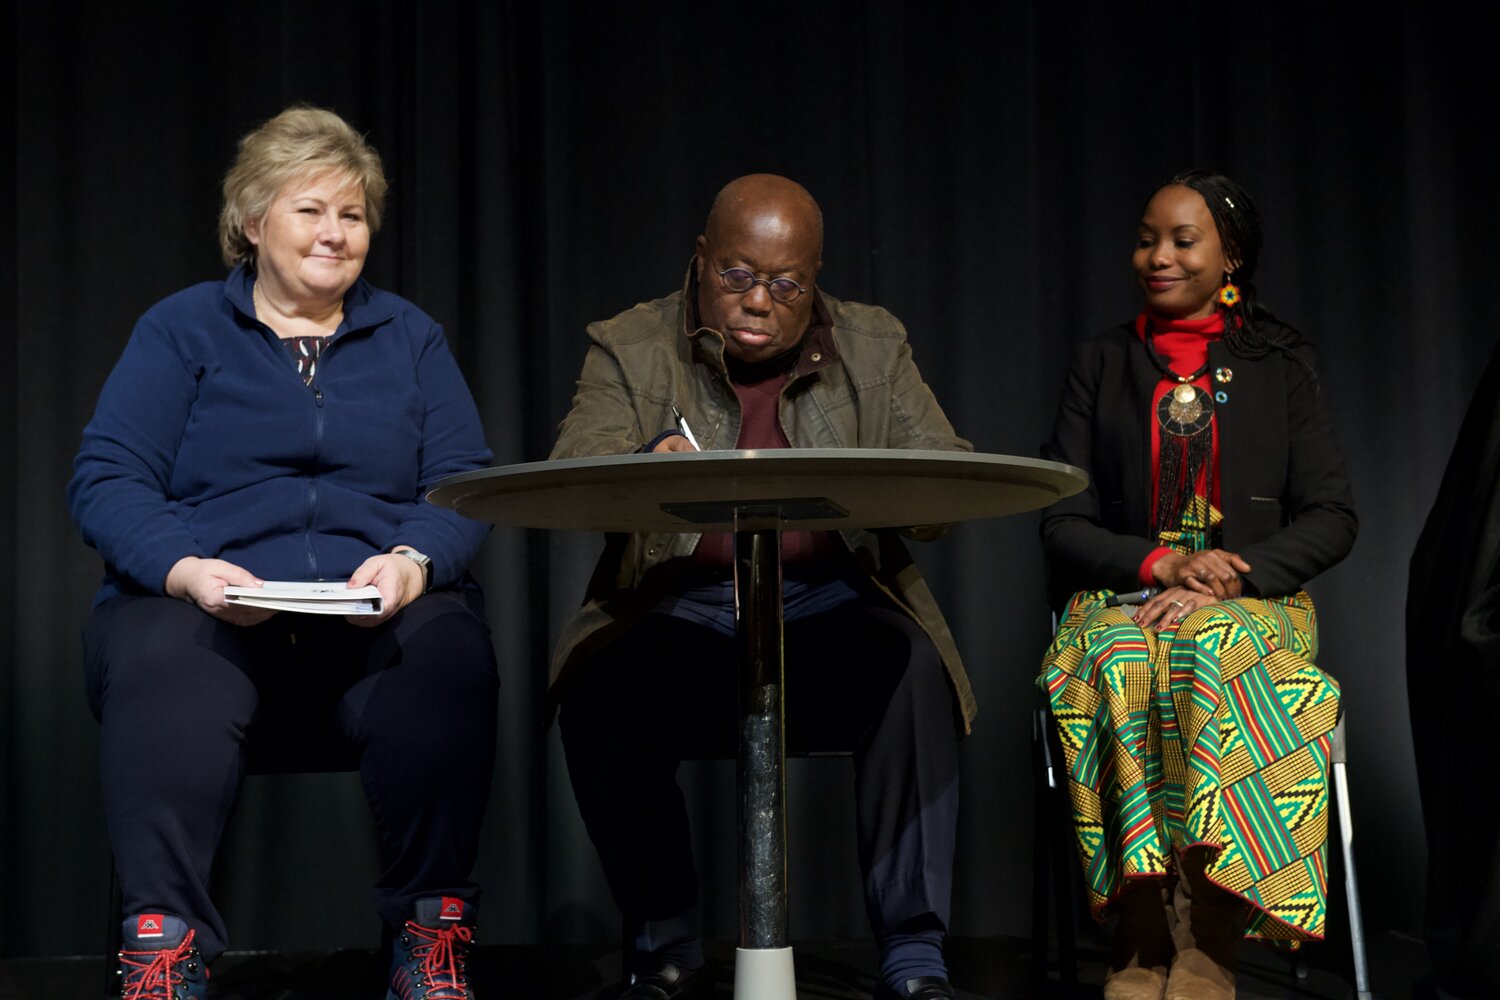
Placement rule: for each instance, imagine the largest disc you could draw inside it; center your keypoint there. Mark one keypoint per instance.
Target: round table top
(805, 488)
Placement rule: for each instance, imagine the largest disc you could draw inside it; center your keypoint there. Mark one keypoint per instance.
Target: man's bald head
(766, 196)
(771, 227)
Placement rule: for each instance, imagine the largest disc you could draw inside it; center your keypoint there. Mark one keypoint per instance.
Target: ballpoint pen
(682, 425)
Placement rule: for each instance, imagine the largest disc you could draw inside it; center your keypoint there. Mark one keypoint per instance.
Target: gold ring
(1179, 604)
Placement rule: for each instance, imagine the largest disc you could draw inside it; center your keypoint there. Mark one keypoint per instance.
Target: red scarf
(1183, 344)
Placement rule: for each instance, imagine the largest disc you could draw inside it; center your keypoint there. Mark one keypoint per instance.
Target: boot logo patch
(149, 925)
(453, 909)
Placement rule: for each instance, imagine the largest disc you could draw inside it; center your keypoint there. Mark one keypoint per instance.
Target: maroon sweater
(758, 387)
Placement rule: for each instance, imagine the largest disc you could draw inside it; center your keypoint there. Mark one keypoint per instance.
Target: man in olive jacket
(755, 356)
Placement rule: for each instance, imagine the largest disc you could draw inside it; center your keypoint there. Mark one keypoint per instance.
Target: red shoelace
(153, 975)
(442, 952)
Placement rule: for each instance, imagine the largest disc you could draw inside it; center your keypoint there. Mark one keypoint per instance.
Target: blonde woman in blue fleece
(283, 423)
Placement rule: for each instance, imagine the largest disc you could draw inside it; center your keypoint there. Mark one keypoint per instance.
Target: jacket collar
(361, 308)
(819, 347)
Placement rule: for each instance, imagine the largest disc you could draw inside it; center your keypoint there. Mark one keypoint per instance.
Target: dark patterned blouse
(305, 351)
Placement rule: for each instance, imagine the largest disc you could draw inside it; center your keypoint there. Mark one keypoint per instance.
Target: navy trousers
(861, 677)
(175, 691)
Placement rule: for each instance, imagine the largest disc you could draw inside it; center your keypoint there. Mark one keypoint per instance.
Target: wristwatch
(423, 561)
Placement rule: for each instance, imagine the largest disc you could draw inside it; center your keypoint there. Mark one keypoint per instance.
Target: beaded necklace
(1185, 415)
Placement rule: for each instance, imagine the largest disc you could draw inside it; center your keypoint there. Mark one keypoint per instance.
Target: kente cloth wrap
(1214, 732)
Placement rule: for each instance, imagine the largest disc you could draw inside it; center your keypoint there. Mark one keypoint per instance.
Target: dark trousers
(176, 690)
(862, 677)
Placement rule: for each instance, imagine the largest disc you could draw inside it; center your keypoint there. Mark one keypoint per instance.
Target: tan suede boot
(1210, 923)
(1142, 946)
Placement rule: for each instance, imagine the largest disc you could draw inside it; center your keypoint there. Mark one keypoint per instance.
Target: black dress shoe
(921, 988)
(665, 983)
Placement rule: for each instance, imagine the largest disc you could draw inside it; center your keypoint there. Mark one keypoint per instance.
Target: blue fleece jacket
(206, 442)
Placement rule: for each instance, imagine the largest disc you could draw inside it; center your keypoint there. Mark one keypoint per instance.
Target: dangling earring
(1229, 295)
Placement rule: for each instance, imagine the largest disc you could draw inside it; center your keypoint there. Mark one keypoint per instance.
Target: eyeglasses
(739, 280)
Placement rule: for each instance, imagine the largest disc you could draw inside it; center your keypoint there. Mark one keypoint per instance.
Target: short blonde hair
(300, 142)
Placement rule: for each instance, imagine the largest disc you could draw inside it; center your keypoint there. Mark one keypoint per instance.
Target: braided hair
(1250, 329)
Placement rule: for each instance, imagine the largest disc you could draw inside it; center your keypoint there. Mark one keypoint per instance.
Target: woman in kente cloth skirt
(1182, 678)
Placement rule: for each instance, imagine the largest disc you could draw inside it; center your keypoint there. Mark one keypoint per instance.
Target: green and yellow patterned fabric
(1211, 732)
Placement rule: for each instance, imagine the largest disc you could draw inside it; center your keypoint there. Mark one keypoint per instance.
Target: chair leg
(1050, 858)
(1339, 769)
(113, 933)
(1041, 844)
(627, 953)
(1062, 881)
(387, 950)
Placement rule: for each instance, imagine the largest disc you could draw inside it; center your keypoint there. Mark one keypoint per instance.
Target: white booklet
(329, 597)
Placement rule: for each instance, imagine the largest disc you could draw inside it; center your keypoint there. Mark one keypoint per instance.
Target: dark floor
(980, 968)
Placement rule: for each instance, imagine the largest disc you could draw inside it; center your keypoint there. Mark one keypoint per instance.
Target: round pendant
(1184, 411)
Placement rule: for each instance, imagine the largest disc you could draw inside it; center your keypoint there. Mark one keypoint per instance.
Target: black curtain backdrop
(981, 168)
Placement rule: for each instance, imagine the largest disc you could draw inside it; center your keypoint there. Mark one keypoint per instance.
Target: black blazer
(1285, 495)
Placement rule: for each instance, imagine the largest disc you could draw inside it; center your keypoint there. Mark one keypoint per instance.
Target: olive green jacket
(854, 386)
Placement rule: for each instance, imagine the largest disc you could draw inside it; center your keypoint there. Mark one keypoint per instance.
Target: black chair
(1053, 865)
(287, 737)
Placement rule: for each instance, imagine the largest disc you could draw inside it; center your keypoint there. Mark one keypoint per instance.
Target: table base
(764, 974)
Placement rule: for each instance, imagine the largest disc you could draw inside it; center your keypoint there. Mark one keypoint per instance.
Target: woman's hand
(399, 579)
(202, 582)
(1170, 607)
(1214, 572)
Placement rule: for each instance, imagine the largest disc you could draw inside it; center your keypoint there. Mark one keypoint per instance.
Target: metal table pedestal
(755, 494)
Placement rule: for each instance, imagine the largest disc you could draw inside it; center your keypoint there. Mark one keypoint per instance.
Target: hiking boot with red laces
(158, 960)
(429, 956)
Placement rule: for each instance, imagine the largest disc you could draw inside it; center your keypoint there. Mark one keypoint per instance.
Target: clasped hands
(202, 581)
(1189, 583)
